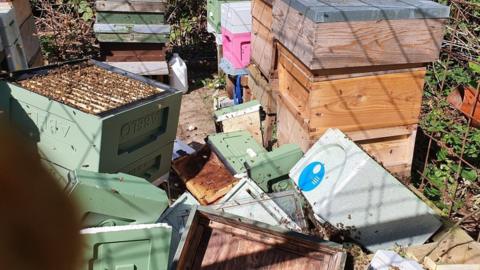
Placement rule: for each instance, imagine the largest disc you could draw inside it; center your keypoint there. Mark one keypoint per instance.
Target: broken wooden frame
(220, 241)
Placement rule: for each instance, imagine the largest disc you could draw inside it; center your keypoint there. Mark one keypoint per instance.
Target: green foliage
(217, 82)
(83, 8)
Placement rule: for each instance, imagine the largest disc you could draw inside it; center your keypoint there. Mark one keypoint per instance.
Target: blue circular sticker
(311, 176)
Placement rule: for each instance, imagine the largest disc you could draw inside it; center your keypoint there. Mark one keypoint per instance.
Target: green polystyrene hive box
(131, 247)
(234, 148)
(135, 138)
(115, 199)
(213, 13)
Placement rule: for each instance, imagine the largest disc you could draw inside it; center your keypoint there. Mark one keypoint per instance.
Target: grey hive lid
(368, 10)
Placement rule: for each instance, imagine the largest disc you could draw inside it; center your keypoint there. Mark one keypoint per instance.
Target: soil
(196, 116)
(89, 88)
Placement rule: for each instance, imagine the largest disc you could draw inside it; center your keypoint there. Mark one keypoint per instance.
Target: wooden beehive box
(223, 241)
(263, 49)
(349, 101)
(352, 33)
(392, 147)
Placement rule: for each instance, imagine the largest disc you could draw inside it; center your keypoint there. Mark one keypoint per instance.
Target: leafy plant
(83, 8)
(217, 82)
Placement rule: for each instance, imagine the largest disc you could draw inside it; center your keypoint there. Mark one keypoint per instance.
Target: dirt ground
(196, 116)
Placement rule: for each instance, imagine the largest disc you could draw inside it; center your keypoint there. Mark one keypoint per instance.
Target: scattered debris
(386, 260)
(223, 241)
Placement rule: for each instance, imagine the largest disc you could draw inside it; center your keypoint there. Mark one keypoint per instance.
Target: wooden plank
(305, 75)
(31, 44)
(262, 11)
(22, 9)
(367, 102)
(263, 48)
(249, 122)
(261, 89)
(143, 68)
(131, 6)
(133, 52)
(37, 60)
(357, 43)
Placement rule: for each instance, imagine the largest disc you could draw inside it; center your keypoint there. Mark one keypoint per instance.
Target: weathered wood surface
(362, 102)
(217, 242)
(262, 90)
(263, 44)
(131, 6)
(357, 43)
(128, 52)
(22, 9)
(249, 122)
(31, 43)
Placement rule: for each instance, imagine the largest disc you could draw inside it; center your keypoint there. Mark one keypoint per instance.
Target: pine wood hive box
(326, 34)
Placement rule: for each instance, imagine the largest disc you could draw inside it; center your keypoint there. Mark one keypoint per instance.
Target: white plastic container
(178, 73)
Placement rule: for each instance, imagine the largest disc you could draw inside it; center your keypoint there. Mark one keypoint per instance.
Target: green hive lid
(234, 148)
(115, 199)
(368, 10)
(142, 246)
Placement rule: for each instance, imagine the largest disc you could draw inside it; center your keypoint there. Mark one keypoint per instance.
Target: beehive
(214, 13)
(326, 34)
(88, 115)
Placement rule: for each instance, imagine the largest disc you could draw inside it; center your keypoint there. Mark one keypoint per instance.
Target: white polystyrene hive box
(236, 17)
(347, 188)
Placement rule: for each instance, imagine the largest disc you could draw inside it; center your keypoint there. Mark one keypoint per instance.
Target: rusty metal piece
(89, 88)
(464, 99)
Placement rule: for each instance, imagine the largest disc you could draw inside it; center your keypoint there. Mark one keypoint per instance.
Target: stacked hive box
(357, 66)
(133, 35)
(236, 23)
(214, 21)
(19, 44)
(91, 116)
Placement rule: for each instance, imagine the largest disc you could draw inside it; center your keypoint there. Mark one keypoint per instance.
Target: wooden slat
(131, 6)
(132, 52)
(22, 9)
(31, 44)
(261, 89)
(357, 43)
(367, 102)
(263, 48)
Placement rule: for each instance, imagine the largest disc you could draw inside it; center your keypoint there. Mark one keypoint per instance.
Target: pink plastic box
(236, 47)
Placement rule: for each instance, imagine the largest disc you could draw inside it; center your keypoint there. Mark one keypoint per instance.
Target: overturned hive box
(353, 33)
(88, 115)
